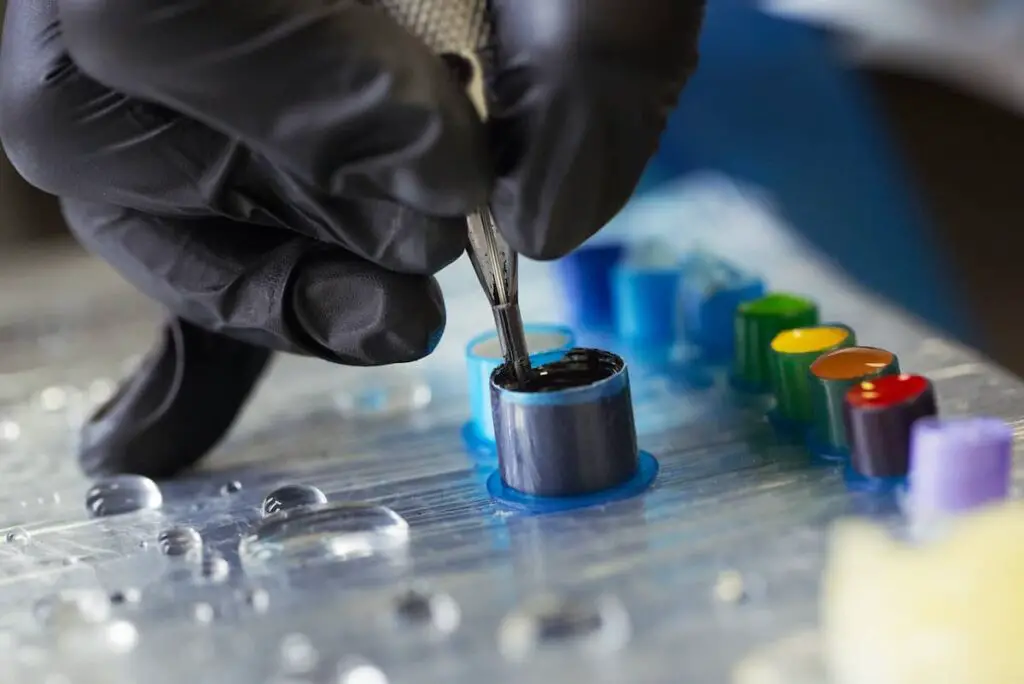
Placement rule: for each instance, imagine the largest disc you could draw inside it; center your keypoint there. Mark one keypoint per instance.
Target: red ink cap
(879, 414)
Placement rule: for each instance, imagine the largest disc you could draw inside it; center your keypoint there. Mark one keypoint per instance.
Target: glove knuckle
(414, 313)
(417, 244)
(32, 110)
(107, 38)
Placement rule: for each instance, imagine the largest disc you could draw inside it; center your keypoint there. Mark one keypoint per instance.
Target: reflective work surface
(400, 568)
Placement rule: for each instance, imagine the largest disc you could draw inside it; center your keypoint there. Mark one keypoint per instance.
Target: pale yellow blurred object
(948, 612)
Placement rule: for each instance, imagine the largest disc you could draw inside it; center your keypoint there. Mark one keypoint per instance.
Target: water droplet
(73, 607)
(729, 587)
(203, 613)
(179, 541)
(360, 672)
(53, 399)
(17, 536)
(9, 431)
(113, 637)
(298, 655)
(122, 494)
(214, 568)
(123, 596)
(422, 607)
(229, 488)
(121, 636)
(595, 626)
(101, 390)
(379, 401)
(291, 496)
(258, 599)
(342, 530)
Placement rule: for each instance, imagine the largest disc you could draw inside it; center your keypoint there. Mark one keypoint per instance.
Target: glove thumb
(176, 406)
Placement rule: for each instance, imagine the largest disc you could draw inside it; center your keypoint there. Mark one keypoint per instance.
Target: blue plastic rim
(609, 386)
(585, 276)
(550, 341)
(646, 473)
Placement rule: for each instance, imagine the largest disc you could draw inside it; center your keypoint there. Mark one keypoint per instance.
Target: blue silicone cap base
(863, 483)
(821, 449)
(646, 473)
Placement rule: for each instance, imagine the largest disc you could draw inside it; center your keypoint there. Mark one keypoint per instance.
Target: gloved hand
(289, 174)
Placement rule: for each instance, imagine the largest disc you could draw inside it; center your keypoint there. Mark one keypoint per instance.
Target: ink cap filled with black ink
(568, 429)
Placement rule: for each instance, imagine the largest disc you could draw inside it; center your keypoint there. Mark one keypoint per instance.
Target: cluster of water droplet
(298, 520)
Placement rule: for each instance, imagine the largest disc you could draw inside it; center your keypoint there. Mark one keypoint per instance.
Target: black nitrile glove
(288, 174)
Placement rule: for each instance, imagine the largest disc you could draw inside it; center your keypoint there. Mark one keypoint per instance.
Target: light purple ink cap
(959, 463)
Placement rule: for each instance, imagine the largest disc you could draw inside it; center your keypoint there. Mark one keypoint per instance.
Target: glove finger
(267, 287)
(582, 94)
(334, 91)
(73, 137)
(177, 405)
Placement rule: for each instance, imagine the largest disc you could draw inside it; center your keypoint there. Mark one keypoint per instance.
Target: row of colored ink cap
(855, 404)
(847, 402)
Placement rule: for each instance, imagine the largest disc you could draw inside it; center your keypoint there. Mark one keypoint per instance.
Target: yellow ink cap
(793, 352)
(804, 340)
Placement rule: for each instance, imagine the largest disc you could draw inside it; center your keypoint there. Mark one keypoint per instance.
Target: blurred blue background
(773, 105)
